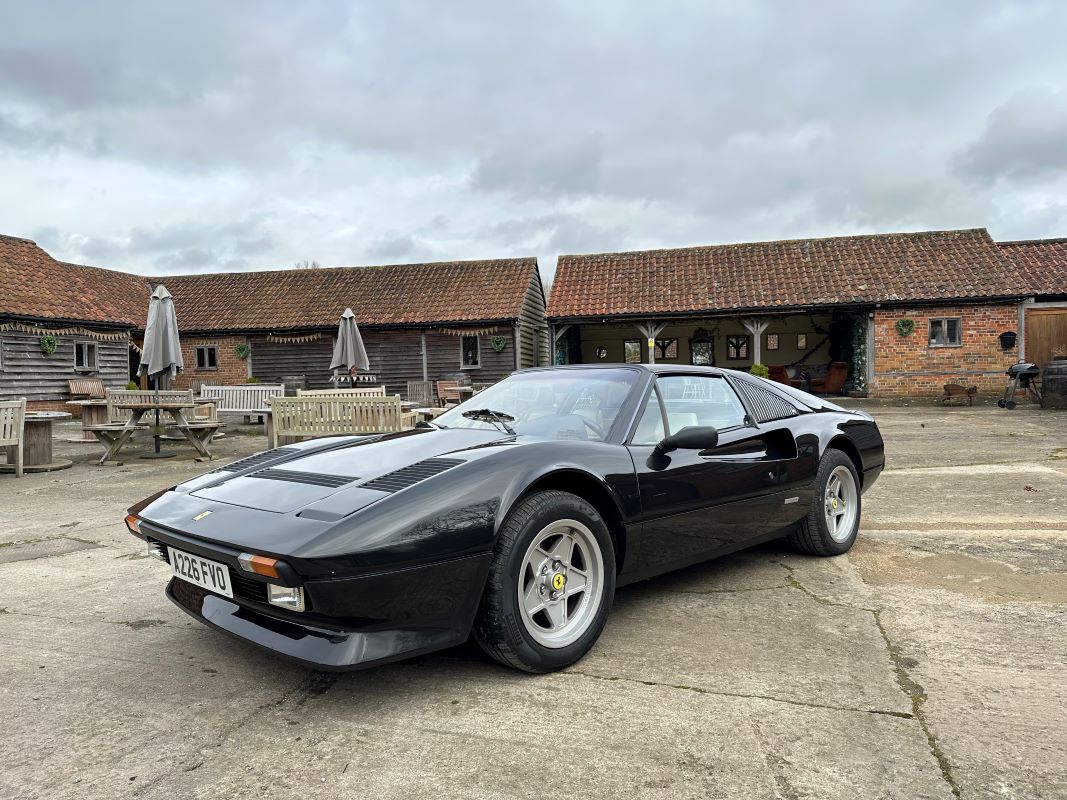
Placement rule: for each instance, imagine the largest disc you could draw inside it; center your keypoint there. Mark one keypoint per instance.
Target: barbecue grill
(1020, 376)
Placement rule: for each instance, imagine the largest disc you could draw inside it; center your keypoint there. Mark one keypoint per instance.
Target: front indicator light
(286, 597)
(260, 565)
(133, 522)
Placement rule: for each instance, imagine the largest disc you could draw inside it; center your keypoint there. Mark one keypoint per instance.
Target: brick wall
(908, 366)
(231, 370)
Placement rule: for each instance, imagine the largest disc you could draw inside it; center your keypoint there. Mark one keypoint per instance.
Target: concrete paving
(930, 662)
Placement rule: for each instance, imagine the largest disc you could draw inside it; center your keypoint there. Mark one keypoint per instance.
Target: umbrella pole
(156, 431)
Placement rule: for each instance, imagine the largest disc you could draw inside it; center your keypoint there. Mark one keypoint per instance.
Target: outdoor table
(429, 414)
(37, 444)
(466, 392)
(198, 434)
(94, 412)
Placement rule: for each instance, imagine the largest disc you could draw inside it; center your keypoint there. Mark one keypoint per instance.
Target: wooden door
(1046, 334)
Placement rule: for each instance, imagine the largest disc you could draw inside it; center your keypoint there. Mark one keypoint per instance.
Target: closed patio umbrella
(162, 350)
(349, 352)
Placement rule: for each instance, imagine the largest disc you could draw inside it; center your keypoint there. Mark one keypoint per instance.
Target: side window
(700, 400)
(650, 425)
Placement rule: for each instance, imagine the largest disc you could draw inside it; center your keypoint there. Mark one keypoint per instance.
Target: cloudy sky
(183, 137)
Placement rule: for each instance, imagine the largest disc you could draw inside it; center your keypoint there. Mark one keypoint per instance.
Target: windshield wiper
(488, 415)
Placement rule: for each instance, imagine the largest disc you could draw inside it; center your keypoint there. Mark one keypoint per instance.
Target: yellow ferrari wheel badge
(558, 580)
(834, 503)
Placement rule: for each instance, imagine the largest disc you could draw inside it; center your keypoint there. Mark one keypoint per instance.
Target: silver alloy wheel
(561, 583)
(841, 503)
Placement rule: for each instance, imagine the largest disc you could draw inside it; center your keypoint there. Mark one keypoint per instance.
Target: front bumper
(352, 622)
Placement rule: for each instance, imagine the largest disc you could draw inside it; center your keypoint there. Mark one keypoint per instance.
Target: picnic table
(94, 412)
(114, 436)
(37, 452)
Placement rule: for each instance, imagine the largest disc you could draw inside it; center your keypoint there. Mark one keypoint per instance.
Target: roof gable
(926, 266)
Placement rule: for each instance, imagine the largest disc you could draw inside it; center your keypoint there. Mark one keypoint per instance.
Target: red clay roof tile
(1043, 263)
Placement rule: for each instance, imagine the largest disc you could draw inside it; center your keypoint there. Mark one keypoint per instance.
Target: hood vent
(259, 459)
(409, 476)
(310, 478)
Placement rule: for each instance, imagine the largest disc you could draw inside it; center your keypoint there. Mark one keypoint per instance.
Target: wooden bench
(953, 390)
(324, 415)
(86, 388)
(12, 431)
(369, 391)
(198, 428)
(248, 399)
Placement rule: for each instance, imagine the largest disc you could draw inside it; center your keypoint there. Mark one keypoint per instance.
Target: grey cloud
(1024, 138)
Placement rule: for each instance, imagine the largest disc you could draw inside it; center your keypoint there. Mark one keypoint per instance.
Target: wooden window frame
(640, 351)
(802, 341)
(668, 343)
(86, 366)
(777, 342)
(477, 350)
(747, 346)
(944, 327)
(204, 348)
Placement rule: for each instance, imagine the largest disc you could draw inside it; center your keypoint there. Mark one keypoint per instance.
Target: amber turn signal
(261, 565)
(133, 522)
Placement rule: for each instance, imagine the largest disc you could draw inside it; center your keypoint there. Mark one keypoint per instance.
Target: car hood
(347, 472)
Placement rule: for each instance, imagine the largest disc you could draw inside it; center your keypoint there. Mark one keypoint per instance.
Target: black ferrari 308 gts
(515, 515)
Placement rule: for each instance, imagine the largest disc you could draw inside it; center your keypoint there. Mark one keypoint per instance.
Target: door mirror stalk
(692, 437)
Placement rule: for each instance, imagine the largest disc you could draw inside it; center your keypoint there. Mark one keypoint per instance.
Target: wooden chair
(363, 391)
(448, 392)
(12, 431)
(420, 392)
(834, 381)
(86, 388)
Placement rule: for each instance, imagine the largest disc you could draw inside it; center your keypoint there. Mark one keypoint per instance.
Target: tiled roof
(1042, 262)
(33, 284)
(928, 266)
(402, 294)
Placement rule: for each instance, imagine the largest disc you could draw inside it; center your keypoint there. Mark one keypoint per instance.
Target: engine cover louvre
(259, 459)
(310, 478)
(409, 476)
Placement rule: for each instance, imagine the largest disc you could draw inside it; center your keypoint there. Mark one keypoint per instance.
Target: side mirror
(693, 437)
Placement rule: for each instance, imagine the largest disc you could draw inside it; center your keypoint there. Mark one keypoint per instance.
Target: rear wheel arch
(583, 485)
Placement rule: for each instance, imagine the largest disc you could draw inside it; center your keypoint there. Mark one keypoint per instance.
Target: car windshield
(554, 404)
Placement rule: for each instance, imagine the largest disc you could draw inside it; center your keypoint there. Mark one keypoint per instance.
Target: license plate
(204, 572)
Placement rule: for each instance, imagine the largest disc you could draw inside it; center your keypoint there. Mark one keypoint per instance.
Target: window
(689, 400)
(702, 352)
(666, 349)
(470, 352)
(765, 404)
(85, 355)
(802, 341)
(736, 348)
(207, 358)
(632, 351)
(772, 341)
(946, 332)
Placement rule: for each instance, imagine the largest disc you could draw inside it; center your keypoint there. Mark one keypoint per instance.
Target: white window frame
(205, 348)
(87, 365)
(477, 350)
(944, 327)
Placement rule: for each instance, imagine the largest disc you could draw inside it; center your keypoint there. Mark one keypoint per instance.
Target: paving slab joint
(917, 694)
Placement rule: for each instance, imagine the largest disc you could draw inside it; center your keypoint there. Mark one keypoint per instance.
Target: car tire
(528, 561)
(830, 528)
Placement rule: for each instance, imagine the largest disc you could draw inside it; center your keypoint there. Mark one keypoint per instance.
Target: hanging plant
(905, 326)
(498, 343)
(242, 351)
(48, 344)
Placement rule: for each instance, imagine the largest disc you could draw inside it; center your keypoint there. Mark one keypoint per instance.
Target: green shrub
(132, 386)
(759, 370)
(252, 380)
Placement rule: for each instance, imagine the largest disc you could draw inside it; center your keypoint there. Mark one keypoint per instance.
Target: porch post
(756, 327)
(650, 330)
(422, 344)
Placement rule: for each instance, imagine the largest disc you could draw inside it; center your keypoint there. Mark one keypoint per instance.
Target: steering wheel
(596, 429)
